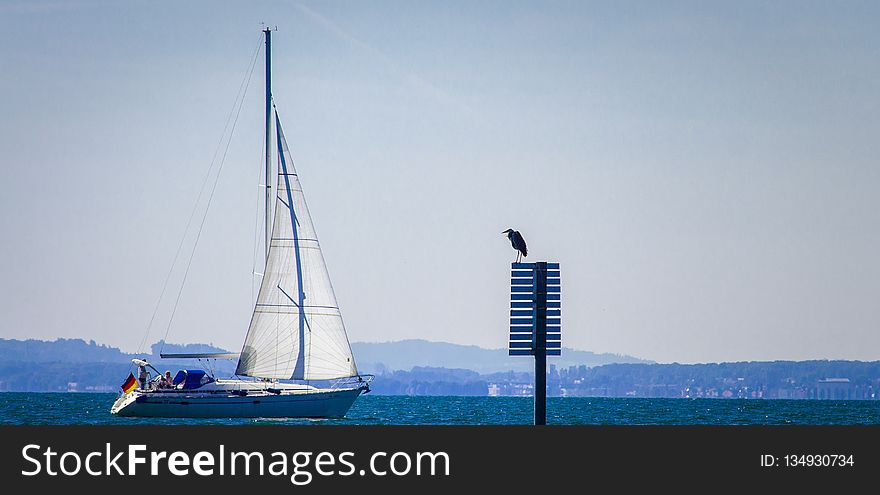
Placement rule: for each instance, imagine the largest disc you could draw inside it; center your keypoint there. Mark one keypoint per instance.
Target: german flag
(130, 384)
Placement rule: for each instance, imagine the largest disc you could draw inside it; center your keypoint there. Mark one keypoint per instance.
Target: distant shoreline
(523, 397)
(419, 367)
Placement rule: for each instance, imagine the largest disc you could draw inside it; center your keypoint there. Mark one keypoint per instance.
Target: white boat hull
(309, 403)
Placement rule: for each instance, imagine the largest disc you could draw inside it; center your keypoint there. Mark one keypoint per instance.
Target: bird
(518, 243)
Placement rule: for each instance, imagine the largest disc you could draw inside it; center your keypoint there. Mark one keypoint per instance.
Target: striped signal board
(535, 310)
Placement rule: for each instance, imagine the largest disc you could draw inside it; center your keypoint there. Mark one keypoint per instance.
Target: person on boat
(143, 376)
(168, 380)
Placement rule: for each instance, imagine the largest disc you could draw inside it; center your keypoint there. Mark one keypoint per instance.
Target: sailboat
(296, 332)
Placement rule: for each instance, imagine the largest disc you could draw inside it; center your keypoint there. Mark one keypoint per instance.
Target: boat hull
(316, 403)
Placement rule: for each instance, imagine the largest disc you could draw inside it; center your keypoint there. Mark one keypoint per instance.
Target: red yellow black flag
(130, 384)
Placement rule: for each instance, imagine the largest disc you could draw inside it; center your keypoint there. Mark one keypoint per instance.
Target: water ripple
(82, 408)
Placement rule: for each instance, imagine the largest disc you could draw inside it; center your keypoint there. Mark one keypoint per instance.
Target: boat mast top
(268, 33)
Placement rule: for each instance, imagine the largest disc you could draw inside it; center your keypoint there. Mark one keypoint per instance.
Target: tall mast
(268, 33)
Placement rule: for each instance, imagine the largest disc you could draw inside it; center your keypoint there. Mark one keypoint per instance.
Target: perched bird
(518, 243)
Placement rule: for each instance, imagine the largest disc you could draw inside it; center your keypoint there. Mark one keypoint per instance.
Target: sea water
(84, 408)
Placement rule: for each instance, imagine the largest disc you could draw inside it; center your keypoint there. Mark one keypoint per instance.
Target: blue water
(81, 408)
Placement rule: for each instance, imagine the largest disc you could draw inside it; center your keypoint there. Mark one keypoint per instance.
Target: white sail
(296, 331)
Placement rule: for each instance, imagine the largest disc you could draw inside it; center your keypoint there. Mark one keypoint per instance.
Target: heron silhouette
(518, 243)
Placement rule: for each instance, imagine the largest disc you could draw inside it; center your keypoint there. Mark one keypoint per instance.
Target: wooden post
(540, 343)
(532, 290)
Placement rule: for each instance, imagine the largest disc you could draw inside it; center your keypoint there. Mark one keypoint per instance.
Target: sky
(706, 173)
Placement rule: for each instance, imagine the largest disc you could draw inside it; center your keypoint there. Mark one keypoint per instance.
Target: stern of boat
(121, 406)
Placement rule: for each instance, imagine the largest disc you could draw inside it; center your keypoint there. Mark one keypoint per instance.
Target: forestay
(296, 331)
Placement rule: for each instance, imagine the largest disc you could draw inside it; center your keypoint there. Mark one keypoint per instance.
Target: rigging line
(189, 223)
(257, 225)
(246, 84)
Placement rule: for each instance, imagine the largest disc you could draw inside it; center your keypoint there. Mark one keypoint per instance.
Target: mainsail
(296, 331)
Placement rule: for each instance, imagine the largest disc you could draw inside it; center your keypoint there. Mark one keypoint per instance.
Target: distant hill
(80, 351)
(407, 354)
(419, 367)
(74, 364)
(61, 350)
(371, 357)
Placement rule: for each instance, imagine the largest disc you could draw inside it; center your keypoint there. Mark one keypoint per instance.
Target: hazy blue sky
(706, 173)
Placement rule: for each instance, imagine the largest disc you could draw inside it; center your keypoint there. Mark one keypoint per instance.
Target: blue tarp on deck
(192, 379)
